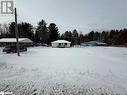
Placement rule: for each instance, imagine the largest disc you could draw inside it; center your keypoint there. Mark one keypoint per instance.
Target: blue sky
(84, 15)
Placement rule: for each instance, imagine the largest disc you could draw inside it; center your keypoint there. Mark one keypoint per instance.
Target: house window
(65, 44)
(59, 44)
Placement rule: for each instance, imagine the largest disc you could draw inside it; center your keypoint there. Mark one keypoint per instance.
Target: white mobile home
(61, 44)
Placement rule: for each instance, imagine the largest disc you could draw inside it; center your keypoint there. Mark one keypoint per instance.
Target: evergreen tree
(12, 29)
(24, 29)
(53, 30)
(42, 34)
(75, 37)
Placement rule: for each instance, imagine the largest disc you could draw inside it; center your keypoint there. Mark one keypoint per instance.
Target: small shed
(12, 41)
(61, 44)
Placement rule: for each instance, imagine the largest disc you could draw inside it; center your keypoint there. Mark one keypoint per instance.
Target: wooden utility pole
(17, 34)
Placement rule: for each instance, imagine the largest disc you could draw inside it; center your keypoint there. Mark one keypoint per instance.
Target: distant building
(94, 43)
(12, 41)
(61, 44)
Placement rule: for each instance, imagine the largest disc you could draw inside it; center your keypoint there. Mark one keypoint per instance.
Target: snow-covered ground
(65, 71)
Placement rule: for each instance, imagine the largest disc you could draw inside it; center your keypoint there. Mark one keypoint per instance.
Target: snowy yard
(67, 71)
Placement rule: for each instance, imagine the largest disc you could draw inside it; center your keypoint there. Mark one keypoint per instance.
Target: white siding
(55, 45)
(61, 44)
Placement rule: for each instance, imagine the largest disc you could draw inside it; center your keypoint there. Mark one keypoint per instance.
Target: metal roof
(21, 40)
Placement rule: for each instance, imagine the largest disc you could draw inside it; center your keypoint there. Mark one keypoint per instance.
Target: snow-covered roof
(61, 41)
(24, 40)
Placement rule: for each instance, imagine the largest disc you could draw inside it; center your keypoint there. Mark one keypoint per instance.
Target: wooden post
(17, 34)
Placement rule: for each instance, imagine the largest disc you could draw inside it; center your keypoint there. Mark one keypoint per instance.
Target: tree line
(42, 34)
(46, 34)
